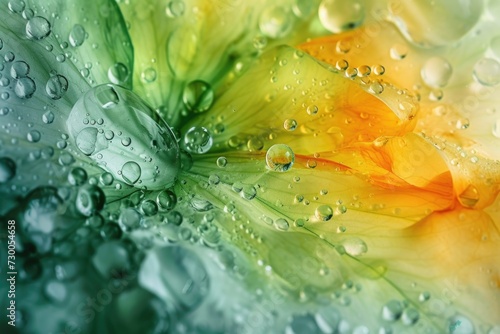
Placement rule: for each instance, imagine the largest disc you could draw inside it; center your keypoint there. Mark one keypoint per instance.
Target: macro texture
(231, 166)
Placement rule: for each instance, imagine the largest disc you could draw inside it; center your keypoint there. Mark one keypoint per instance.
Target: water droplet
(398, 51)
(436, 72)
(323, 213)
(19, 69)
(198, 140)
(435, 23)
(38, 28)
(487, 72)
(86, 140)
(392, 310)
(4, 111)
(221, 162)
(153, 149)
(149, 208)
(312, 110)
(16, 6)
(376, 88)
(355, 246)
(118, 73)
(280, 158)
(281, 224)
(198, 96)
(469, 197)
(248, 192)
(77, 176)
(56, 86)
(89, 200)
(131, 172)
(275, 22)
(25, 88)
(148, 75)
(7, 169)
(77, 35)
(341, 15)
(290, 124)
(106, 179)
(175, 8)
(410, 316)
(255, 144)
(129, 219)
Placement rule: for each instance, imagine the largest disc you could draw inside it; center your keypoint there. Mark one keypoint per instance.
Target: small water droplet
(198, 140)
(77, 35)
(276, 22)
(487, 72)
(436, 72)
(290, 124)
(323, 213)
(7, 169)
(118, 73)
(56, 86)
(19, 69)
(175, 8)
(198, 96)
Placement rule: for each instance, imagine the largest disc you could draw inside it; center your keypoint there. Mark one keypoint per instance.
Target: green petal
(178, 42)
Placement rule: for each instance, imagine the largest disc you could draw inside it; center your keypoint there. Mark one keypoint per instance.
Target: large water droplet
(341, 15)
(435, 23)
(153, 146)
(276, 22)
(38, 28)
(280, 158)
(19, 69)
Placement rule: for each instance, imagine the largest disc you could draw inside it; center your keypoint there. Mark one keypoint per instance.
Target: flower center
(122, 134)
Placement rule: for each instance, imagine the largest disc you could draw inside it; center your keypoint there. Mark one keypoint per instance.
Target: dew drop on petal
(33, 136)
(392, 310)
(56, 86)
(89, 200)
(118, 73)
(355, 246)
(280, 158)
(460, 324)
(19, 69)
(197, 140)
(131, 172)
(16, 6)
(175, 8)
(86, 140)
(25, 88)
(281, 224)
(487, 72)
(38, 28)
(77, 35)
(341, 15)
(436, 72)
(323, 213)
(290, 124)
(275, 22)
(198, 96)
(221, 162)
